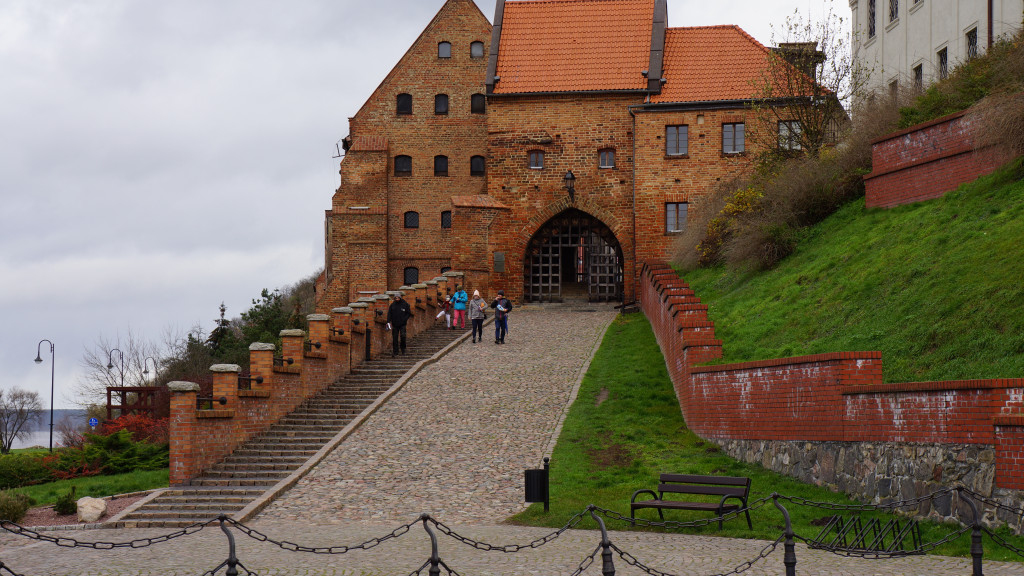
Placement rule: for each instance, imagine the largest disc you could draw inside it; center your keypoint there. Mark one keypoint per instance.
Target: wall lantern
(570, 185)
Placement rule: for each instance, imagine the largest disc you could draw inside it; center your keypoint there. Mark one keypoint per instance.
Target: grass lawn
(97, 486)
(625, 429)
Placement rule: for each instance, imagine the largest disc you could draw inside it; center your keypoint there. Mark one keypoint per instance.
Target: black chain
(293, 547)
(879, 555)
(765, 552)
(587, 562)
(5, 570)
(1002, 542)
(509, 548)
(866, 507)
(240, 569)
(427, 564)
(72, 543)
(1018, 512)
(680, 524)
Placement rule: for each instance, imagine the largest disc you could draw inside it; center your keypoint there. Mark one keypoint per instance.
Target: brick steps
(264, 460)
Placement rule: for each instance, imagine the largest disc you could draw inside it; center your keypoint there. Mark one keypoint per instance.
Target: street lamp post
(570, 185)
(39, 360)
(156, 368)
(110, 363)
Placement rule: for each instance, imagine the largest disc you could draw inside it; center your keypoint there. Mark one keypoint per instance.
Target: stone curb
(261, 502)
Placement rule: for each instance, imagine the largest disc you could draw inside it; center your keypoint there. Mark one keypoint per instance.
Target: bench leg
(749, 525)
(661, 515)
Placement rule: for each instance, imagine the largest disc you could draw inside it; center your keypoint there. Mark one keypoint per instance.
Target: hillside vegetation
(937, 287)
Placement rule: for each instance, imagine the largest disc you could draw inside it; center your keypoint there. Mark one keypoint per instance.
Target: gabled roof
(711, 63)
(574, 45)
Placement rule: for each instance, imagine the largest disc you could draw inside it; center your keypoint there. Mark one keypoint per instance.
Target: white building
(916, 42)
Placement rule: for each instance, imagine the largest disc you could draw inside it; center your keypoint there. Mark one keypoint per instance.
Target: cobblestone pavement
(453, 442)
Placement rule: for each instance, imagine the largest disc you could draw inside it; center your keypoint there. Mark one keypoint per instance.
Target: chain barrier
(72, 543)
(765, 552)
(5, 571)
(1018, 512)
(293, 547)
(680, 524)
(1002, 542)
(587, 562)
(867, 507)
(509, 548)
(879, 555)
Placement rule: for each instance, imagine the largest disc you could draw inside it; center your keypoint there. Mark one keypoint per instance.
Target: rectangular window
(894, 91)
(676, 140)
(478, 104)
(446, 219)
(972, 43)
(441, 104)
(789, 135)
(537, 159)
(943, 63)
(733, 138)
(440, 165)
(675, 217)
(606, 158)
(919, 78)
(894, 10)
(871, 18)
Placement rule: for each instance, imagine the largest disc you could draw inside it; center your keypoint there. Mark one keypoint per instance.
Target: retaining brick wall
(775, 405)
(926, 161)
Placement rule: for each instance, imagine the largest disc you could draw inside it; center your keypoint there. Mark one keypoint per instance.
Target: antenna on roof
(337, 148)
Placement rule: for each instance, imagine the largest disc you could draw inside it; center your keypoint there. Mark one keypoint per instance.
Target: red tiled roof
(369, 144)
(574, 45)
(708, 63)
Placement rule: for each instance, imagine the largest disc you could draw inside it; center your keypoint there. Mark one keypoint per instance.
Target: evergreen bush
(66, 503)
(13, 505)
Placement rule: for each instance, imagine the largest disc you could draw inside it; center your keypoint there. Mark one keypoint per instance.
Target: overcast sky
(158, 158)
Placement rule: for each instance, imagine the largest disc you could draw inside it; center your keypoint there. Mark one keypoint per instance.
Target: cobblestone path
(455, 440)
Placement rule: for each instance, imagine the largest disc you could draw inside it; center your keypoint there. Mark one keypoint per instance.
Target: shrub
(66, 503)
(18, 470)
(142, 428)
(13, 505)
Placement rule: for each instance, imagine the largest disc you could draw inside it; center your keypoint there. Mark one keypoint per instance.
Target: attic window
(477, 165)
(441, 104)
(478, 104)
(403, 165)
(444, 50)
(476, 50)
(537, 159)
(403, 104)
(440, 165)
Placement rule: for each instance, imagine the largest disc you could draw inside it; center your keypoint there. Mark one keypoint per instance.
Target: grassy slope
(938, 287)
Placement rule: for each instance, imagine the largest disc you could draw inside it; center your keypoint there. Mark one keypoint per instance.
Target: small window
(445, 269)
(441, 104)
(411, 276)
(403, 165)
(446, 219)
(676, 140)
(440, 165)
(919, 78)
(444, 50)
(476, 50)
(412, 219)
(675, 217)
(943, 61)
(789, 135)
(478, 104)
(404, 104)
(733, 138)
(477, 166)
(606, 158)
(537, 159)
(972, 43)
(871, 18)
(894, 91)
(894, 10)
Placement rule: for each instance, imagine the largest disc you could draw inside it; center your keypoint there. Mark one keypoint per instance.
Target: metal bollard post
(789, 557)
(435, 559)
(607, 565)
(977, 551)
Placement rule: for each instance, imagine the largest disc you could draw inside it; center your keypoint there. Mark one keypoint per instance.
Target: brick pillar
(380, 309)
(292, 347)
(454, 279)
(1009, 435)
(341, 338)
(431, 294)
(318, 326)
(444, 288)
(182, 429)
(359, 326)
(225, 385)
(423, 317)
(261, 364)
(342, 325)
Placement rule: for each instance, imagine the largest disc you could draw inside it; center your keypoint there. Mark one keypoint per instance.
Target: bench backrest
(705, 485)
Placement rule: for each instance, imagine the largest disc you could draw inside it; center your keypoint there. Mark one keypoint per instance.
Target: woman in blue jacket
(459, 301)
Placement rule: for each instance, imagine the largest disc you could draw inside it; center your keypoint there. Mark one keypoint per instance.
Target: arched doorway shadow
(573, 256)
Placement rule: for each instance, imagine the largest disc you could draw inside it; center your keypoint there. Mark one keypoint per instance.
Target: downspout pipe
(636, 265)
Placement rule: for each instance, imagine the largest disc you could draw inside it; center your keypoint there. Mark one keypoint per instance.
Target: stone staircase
(259, 464)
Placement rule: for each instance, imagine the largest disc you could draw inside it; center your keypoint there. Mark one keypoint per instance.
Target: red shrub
(142, 428)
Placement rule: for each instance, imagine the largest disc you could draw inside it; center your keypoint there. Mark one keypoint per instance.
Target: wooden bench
(727, 487)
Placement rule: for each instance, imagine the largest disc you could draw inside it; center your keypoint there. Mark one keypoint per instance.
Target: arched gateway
(573, 256)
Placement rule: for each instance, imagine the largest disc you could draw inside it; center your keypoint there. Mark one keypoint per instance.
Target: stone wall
(829, 418)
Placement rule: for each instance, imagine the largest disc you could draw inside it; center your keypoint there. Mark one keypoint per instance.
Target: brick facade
(926, 161)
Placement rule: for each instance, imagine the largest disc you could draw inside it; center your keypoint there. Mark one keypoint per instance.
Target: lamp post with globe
(39, 360)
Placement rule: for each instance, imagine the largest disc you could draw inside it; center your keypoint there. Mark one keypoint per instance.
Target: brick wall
(926, 161)
(836, 397)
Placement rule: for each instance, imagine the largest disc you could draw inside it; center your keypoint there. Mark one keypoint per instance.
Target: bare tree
(18, 410)
(809, 81)
(124, 361)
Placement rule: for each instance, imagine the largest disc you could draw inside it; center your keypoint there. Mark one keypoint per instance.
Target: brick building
(461, 157)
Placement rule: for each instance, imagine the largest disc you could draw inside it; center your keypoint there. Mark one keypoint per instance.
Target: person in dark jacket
(398, 315)
(501, 306)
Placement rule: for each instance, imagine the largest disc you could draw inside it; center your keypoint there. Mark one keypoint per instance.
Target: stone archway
(573, 256)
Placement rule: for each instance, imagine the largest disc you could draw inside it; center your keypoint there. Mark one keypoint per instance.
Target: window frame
(674, 139)
(971, 48)
(443, 46)
(532, 155)
(792, 142)
(942, 63)
(411, 220)
(446, 218)
(473, 171)
(438, 169)
(918, 75)
(872, 12)
(474, 107)
(672, 209)
(399, 109)
(603, 155)
(894, 10)
(402, 158)
(483, 49)
(742, 147)
(415, 275)
(438, 100)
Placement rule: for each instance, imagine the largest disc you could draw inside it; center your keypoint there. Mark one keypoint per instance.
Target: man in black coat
(398, 315)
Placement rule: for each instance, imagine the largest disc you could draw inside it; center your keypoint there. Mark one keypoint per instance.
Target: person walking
(459, 300)
(501, 306)
(446, 311)
(398, 315)
(477, 314)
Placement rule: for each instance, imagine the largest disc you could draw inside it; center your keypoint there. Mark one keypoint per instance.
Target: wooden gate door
(573, 245)
(604, 270)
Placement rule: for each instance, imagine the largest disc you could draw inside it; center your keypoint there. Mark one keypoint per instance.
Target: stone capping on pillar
(292, 332)
(318, 317)
(422, 285)
(364, 299)
(393, 293)
(342, 310)
(406, 289)
(262, 347)
(453, 274)
(360, 304)
(182, 387)
(225, 368)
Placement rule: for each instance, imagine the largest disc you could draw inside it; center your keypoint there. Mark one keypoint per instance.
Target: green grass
(935, 286)
(625, 428)
(97, 486)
